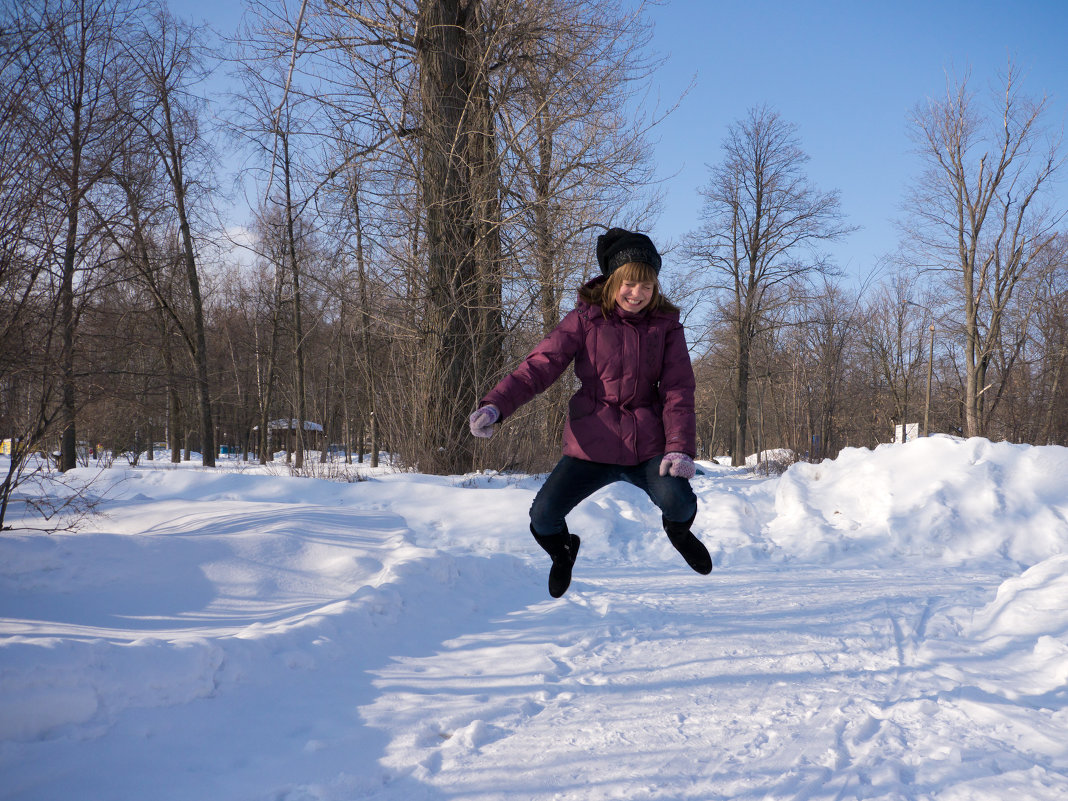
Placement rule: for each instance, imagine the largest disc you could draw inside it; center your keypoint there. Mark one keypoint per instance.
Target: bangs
(637, 271)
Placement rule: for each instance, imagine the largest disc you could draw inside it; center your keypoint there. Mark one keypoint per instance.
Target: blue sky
(846, 72)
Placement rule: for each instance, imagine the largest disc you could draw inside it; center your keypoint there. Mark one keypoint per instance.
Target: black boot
(691, 548)
(563, 548)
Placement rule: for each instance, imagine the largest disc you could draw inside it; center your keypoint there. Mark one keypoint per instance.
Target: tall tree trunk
(174, 410)
(481, 146)
(200, 352)
(207, 426)
(68, 439)
(267, 393)
(972, 422)
(741, 400)
(556, 395)
(453, 229)
(370, 382)
(298, 328)
(175, 424)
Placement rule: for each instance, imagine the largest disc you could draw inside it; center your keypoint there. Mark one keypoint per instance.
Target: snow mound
(1016, 646)
(1028, 606)
(936, 498)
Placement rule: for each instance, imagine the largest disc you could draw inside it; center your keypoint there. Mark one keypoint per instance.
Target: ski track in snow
(254, 637)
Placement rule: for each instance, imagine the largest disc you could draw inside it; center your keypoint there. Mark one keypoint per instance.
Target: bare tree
(145, 235)
(69, 52)
(574, 127)
(490, 138)
(1052, 334)
(27, 231)
(368, 373)
(828, 321)
(458, 161)
(762, 225)
(46, 174)
(168, 57)
(976, 214)
(893, 331)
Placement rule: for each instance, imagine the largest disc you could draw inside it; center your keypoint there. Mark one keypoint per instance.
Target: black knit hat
(619, 246)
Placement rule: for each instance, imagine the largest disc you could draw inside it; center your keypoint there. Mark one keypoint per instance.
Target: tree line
(426, 179)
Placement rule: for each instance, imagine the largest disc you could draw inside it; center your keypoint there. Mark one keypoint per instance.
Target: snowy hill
(887, 625)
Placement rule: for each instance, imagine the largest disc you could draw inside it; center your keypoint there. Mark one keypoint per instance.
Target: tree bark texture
(462, 242)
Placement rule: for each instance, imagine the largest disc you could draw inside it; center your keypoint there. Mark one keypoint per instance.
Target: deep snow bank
(938, 498)
(1014, 647)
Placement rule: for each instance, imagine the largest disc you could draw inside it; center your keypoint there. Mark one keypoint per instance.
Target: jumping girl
(632, 418)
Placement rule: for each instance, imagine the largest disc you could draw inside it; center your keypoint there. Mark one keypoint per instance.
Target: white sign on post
(906, 433)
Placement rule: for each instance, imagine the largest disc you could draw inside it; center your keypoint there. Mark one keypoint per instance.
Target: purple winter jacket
(636, 396)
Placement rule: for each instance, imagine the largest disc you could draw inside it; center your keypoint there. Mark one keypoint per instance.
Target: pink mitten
(677, 464)
(482, 420)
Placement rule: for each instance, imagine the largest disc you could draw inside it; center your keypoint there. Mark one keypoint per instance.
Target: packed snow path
(798, 684)
(890, 625)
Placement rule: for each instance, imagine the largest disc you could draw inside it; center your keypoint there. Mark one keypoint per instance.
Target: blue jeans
(574, 480)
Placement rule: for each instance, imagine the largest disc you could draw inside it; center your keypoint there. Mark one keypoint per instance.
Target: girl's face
(634, 295)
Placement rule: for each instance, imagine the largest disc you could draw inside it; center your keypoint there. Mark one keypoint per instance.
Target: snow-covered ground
(892, 624)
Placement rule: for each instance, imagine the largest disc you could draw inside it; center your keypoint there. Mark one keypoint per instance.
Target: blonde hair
(604, 294)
